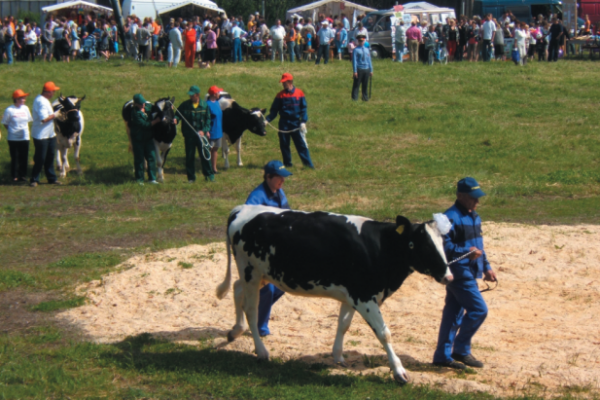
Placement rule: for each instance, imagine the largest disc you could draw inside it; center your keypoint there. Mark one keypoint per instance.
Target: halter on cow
(69, 127)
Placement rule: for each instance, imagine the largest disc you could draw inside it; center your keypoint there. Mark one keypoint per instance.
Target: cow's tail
(223, 288)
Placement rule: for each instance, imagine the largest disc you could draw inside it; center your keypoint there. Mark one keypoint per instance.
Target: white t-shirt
(17, 120)
(278, 32)
(42, 109)
(489, 27)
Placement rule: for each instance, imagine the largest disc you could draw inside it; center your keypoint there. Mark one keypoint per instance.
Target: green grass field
(529, 135)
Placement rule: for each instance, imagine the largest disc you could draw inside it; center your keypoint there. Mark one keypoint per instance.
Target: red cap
(213, 90)
(50, 87)
(286, 77)
(17, 94)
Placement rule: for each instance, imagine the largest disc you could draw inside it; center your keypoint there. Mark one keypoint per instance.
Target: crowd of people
(474, 39)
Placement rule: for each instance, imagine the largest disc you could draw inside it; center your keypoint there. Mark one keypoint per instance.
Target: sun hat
(213, 90)
(50, 87)
(276, 167)
(361, 35)
(139, 99)
(17, 94)
(286, 77)
(193, 90)
(469, 186)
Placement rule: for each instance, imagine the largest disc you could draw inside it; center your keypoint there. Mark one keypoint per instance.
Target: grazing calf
(355, 260)
(69, 128)
(163, 133)
(236, 120)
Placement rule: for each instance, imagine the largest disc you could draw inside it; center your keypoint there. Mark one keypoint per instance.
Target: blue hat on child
(277, 168)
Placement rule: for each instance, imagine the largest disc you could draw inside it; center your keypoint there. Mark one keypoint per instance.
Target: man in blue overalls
(269, 193)
(465, 309)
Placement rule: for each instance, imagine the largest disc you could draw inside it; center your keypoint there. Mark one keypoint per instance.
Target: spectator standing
(326, 37)
(236, 34)
(424, 31)
(75, 45)
(462, 40)
(299, 47)
(16, 120)
(400, 40)
(291, 106)
(210, 51)
(277, 35)
(520, 43)
(190, 45)
(9, 41)
(216, 124)
(156, 28)
(341, 40)
(2, 41)
(44, 137)
(175, 45)
(141, 139)
(346, 22)
(453, 39)
(414, 37)
(360, 29)
(290, 40)
(556, 33)
(362, 68)
(20, 40)
(489, 33)
(144, 41)
(30, 39)
(499, 43)
(473, 35)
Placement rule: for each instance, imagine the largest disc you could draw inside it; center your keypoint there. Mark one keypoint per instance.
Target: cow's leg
(238, 148)
(58, 157)
(76, 151)
(240, 319)
(344, 321)
(371, 313)
(159, 163)
(63, 160)
(225, 152)
(251, 287)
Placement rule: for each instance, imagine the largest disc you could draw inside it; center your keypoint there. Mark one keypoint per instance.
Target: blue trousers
(291, 50)
(237, 50)
(323, 52)
(301, 147)
(269, 294)
(464, 312)
(43, 158)
(8, 47)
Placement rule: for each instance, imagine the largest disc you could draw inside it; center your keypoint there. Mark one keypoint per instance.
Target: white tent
(424, 7)
(206, 5)
(153, 8)
(329, 7)
(76, 5)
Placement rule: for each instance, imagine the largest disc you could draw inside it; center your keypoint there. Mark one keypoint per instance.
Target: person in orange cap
(216, 124)
(291, 106)
(44, 138)
(16, 120)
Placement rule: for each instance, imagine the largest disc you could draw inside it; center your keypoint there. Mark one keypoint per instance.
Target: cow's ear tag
(411, 245)
(400, 229)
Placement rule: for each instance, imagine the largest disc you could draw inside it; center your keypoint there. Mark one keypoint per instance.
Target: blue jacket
(291, 107)
(465, 233)
(263, 196)
(361, 59)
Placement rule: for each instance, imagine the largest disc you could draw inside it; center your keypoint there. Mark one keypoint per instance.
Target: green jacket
(198, 117)
(140, 125)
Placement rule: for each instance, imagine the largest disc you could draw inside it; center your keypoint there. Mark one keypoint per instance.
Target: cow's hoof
(240, 164)
(402, 379)
(230, 337)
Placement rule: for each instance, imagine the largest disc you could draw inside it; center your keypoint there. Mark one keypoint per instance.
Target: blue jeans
(464, 312)
(43, 158)
(323, 51)
(299, 143)
(291, 50)
(487, 50)
(9, 51)
(269, 294)
(399, 51)
(237, 50)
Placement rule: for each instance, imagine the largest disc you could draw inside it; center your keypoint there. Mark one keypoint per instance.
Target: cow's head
(427, 248)
(163, 109)
(70, 107)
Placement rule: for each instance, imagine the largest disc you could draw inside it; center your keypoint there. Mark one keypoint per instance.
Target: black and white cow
(163, 133)
(355, 260)
(236, 120)
(68, 127)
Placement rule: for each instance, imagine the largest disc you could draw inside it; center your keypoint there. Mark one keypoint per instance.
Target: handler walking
(195, 113)
(291, 106)
(141, 140)
(44, 137)
(465, 308)
(269, 193)
(362, 68)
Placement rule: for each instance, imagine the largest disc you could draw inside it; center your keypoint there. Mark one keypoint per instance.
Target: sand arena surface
(542, 334)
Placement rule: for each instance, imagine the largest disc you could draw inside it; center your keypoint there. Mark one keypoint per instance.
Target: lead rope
(203, 140)
(280, 131)
(488, 289)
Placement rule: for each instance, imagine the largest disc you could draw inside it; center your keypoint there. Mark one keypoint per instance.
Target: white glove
(303, 128)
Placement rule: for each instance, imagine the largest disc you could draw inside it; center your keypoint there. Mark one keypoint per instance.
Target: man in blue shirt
(465, 309)
(362, 68)
(236, 34)
(269, 193)
(326, 36)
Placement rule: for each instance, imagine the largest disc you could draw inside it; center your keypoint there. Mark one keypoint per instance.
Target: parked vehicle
(523, 10)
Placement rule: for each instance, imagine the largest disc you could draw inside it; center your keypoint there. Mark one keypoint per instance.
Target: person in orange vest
(189, 40)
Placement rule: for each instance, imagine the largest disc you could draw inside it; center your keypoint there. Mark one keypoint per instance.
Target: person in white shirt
(30, 42)
(277, 35)
(175, 46)
(44, 138)
(489, 32)
(16, 120)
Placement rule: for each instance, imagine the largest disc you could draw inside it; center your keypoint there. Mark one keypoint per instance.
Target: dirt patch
(542, 334)
(15, 310)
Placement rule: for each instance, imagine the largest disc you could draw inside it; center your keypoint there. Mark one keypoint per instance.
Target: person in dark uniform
(141, 140)
(194, 125)
(269, 193)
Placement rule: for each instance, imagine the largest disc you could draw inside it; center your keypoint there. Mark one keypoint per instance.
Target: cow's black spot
(248, 273)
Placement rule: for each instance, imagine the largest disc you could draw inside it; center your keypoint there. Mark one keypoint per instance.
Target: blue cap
(469, 186)
(277, 168)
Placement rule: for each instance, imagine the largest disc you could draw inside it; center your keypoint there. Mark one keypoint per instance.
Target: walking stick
(370, 85)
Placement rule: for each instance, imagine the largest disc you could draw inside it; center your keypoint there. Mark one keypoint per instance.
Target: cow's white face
(427, 243)
(438, 241)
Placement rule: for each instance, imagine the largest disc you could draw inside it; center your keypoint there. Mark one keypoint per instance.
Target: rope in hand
(205, 151)
(488, 289)
(293, 130)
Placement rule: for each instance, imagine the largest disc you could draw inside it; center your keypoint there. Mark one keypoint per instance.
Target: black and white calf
(355, 260)
(163, 133)
(69, 127)
(236, 120)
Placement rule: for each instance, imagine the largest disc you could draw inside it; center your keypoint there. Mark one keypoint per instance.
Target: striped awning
(76, 5)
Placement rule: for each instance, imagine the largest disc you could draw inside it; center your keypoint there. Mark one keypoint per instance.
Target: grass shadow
(116, 175)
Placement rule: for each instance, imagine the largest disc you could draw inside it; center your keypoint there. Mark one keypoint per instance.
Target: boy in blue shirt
(216, 124)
